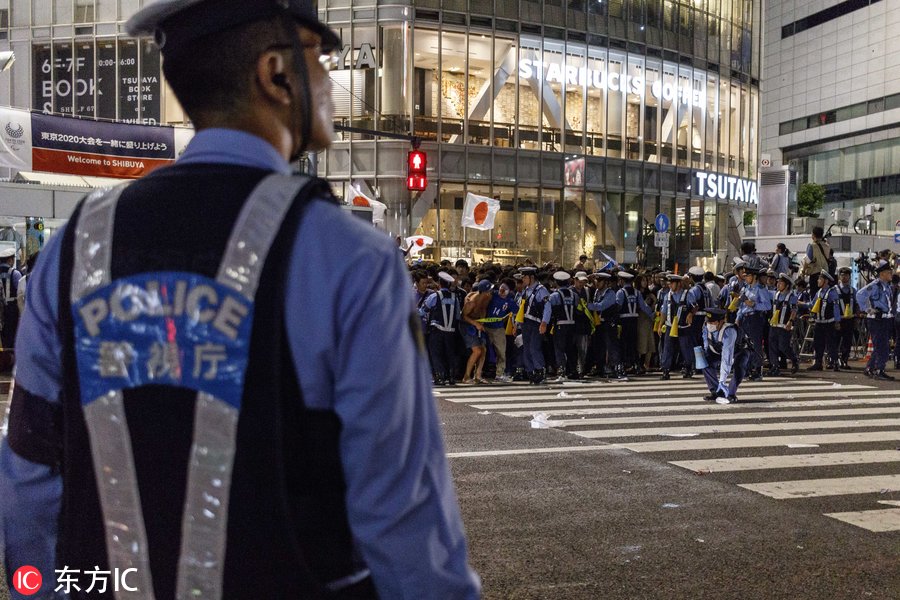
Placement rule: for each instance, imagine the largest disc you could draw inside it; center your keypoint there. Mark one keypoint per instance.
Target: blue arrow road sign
(662, 223)
(897, 237)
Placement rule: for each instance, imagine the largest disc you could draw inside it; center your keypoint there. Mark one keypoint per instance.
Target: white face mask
(714, 326)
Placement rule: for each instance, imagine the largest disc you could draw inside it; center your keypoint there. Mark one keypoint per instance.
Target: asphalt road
(594, 507)
(609, 516)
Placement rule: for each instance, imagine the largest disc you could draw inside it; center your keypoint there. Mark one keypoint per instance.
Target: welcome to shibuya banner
(55, 144)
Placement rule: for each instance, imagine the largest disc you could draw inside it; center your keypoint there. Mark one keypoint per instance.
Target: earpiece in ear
(280, 79)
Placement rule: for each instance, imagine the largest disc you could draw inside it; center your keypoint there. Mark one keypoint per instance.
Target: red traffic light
(417, 165)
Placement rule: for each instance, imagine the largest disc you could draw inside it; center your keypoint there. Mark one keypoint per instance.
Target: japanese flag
(378, 208)
(479, 212)
(417, 243)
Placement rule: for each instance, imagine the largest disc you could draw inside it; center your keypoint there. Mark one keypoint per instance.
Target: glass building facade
(584, 118)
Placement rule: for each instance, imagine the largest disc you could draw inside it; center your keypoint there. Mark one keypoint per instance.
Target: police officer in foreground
(877, 301)
(197, 414)
(726, 355)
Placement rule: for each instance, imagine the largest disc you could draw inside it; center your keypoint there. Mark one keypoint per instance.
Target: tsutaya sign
(569, 75)
(725, 187)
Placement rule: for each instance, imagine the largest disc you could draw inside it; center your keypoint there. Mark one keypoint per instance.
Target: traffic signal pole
(412, 139)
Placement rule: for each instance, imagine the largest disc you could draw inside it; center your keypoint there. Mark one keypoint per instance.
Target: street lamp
(7, 59)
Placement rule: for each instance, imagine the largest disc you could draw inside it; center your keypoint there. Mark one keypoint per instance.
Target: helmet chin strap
(304, 112)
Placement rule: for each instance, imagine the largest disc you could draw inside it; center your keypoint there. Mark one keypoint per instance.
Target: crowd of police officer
(571, 324)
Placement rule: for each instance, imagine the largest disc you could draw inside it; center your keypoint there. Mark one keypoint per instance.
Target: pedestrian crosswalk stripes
(764, 442)
(744, 427)
(814, 427)
(689, 405)
(887, 519)
(650, 400)
(691, 392)
(810, 488)
(500, 392)
(718, 416)
(758, 463)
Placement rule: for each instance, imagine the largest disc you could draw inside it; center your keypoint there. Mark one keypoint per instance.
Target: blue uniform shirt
(622, 296)
(761, 297)
(603, 300)
(401, 504)
(829, 295)
(541, 295)
(876, 296)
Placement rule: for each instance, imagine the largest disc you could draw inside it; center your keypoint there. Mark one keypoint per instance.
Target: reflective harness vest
(564, 312)
(534, 310)
(630, 309)
(445, 314)
(826, 300)
(846, 294)
(676, 309)
(705, 300)
(6, 281)
(781, 309)
(174, 380)
(715, 340)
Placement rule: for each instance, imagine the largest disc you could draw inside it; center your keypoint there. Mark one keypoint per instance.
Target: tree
(810, 198)
(749, 216)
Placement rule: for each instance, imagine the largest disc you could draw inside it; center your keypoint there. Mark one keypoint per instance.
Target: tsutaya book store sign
(569, 75)
(725, 187)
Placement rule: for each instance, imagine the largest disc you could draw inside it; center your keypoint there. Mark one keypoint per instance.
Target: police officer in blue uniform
(537, 319)
(727, 357)
(781, 326)
(630, 301)
(198, 417)
(826, 313)
(755, 303)
(442, 311)
(606, 334)
(877, 301)
(563, 304)
(676, 330)
(848, 307)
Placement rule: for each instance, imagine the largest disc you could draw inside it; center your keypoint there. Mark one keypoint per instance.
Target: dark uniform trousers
(683, 344)
(628, 342)
(825, 340)
(532, 350)
(565, 350)
(897, 340)
(606, 346)
(780, 345)
(845, 337)
(442, 348)
(753, 325)
(880, 330)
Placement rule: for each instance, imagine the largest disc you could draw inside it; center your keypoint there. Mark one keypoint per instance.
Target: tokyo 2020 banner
(54, 144)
